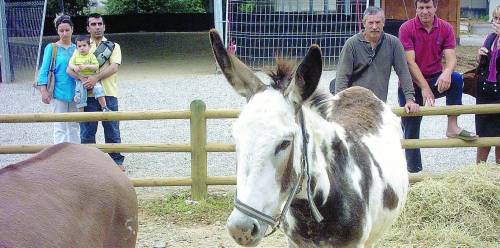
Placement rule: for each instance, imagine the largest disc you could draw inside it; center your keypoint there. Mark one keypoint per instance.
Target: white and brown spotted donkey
(329, 169)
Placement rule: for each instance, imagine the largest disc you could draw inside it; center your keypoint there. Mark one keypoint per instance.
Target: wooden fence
(198, 115)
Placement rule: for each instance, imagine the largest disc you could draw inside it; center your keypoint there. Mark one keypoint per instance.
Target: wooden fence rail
(217, 147)
(215, 114)
(199, 147)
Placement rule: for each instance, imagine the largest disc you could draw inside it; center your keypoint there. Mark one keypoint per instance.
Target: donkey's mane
(282, 75)
(320, 101)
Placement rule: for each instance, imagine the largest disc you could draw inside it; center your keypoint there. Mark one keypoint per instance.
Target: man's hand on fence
(411, 107)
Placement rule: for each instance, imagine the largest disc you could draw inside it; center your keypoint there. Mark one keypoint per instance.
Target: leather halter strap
(305, 139)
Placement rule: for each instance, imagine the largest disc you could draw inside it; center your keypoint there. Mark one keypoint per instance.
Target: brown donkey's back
(67, 196)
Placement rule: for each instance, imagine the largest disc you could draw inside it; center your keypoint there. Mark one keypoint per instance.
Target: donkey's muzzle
(246, 231)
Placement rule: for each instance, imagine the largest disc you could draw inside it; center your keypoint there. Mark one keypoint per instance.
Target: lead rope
(305, 138)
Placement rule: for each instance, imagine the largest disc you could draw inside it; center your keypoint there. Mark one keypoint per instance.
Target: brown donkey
(67, 196)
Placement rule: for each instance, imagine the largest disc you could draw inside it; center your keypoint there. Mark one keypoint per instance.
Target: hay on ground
(462, 209)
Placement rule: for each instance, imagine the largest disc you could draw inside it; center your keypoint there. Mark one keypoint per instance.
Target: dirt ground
(466, 58)
(157, 233)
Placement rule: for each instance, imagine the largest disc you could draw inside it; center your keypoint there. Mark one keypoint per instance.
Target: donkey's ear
(242, 78)
(307, 75)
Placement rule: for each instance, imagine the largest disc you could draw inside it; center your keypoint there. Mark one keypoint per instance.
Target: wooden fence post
(199, 150)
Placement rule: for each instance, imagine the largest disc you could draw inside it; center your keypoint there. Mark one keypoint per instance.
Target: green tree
(71, 7)
(117, 7)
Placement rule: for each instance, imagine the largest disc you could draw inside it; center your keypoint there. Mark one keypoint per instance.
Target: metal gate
(20, 33)
(258, 30)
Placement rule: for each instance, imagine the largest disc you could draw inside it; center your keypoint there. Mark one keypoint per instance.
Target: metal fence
(258, 30)
(199, 146)
(21, 34)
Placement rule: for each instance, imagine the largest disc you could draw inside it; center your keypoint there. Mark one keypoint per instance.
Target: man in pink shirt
(426, 38)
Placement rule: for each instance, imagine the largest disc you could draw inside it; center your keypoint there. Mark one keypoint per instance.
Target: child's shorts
(81, 93)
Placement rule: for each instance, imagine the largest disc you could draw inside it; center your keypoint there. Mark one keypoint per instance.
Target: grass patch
(180, 209)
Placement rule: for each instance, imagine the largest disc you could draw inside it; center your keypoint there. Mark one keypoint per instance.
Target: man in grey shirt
(358, 50)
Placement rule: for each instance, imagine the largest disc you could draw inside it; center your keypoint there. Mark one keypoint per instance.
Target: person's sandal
(464, 135)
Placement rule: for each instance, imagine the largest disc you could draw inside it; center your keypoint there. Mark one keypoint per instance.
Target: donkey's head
(268, 137)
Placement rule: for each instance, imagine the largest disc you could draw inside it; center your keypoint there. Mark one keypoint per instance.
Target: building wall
(493, 5)
(474, 4)
(305, 5)
(474, 8)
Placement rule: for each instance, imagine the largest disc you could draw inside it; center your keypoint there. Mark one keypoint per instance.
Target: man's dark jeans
(411, 125)
(88, 130)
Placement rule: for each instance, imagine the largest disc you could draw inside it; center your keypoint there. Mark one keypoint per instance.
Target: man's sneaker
(106, 109)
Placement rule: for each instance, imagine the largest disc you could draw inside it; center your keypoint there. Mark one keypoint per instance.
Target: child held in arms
(85, 64)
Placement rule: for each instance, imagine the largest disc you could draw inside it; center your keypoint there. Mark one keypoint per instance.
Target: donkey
(67, 196)
(330, 169)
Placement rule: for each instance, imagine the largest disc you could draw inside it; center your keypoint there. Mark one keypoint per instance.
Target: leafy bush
(116, 7)
(71, 7)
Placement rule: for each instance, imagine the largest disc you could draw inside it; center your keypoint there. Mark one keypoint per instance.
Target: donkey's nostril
(255, 230)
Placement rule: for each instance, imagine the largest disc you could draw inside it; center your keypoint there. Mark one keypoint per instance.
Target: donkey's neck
(320, 133)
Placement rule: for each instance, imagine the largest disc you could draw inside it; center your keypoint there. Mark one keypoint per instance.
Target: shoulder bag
(103, 51)
(473, 76)
(51, 76)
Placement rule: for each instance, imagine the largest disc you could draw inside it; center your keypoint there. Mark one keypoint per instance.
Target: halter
(275, 222)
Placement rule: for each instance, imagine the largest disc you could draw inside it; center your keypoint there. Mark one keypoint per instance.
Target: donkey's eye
(282, 146)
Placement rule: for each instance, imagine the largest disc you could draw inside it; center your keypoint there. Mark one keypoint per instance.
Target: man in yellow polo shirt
(107, 76)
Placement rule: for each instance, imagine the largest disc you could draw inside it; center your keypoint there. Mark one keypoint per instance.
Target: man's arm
(401, 68)
(108, 71)
(114, 62)
(344, 68)
(444, 80)
(418, 78)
